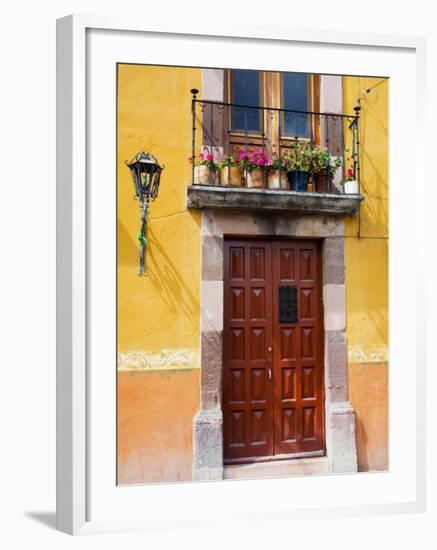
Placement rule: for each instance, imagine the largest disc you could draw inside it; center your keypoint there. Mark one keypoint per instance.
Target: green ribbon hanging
(142, 239)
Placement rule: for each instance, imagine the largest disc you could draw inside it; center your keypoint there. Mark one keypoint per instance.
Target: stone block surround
(339, 414)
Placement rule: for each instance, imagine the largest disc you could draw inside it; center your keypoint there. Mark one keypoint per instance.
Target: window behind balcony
(246, 90)
(257, 128)
(296, 97)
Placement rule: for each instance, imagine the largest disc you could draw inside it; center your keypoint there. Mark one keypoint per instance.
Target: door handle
(269, 372)
(270, 348)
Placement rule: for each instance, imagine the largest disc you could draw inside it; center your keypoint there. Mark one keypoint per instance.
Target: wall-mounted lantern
(146, 174)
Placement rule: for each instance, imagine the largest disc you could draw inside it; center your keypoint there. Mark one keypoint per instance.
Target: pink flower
(243, 154)
(201, 155)
(260, 161)
(350, 173)
(209, 157)
(257, 152)
(252, 159)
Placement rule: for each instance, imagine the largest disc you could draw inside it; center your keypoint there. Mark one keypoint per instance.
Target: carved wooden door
(273, 350)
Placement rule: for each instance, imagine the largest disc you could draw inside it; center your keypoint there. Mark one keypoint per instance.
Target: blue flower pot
(298, 180)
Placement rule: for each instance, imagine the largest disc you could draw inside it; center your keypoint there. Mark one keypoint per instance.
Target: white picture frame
(74, 208)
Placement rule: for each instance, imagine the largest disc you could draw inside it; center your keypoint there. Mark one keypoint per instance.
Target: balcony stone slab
(272, 200)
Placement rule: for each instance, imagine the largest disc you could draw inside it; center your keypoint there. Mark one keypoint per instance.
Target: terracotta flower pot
(255, 178)
(230, 176)
(276, 181)
(203, 175)
(322, 183)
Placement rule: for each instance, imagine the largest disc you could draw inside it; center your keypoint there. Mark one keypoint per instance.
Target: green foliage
(299, 157)
(322, 162)
(227, 161)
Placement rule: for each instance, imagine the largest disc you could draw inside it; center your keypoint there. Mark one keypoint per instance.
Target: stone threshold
(278, 468)
(272, 200)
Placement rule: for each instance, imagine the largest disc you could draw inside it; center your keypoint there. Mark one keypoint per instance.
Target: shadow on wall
(162, 273)
(126, 247)
(368, 392)
(168, 283)
(361, 441)
(374, 150)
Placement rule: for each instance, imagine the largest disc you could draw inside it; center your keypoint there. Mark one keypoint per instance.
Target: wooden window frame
(271, 94)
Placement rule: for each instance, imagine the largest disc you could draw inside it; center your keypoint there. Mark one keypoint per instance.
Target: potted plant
(230, 173)
(277, 174)
(349, 183)
(299, 165)
(205, 169)
(253, 165)
(324, 167)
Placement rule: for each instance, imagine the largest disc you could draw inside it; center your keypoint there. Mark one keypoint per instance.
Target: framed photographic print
(238, 292)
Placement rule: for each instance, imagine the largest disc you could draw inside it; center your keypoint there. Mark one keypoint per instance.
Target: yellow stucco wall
(160, 310)
(158, 314)
(367, 276)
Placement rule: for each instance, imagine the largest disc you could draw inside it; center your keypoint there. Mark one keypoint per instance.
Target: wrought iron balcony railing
(225, 130)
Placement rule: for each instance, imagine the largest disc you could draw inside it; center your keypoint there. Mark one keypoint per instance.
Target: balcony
(274, 160)
(272, 200)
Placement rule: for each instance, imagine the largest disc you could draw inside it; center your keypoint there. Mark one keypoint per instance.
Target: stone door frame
(339, 413)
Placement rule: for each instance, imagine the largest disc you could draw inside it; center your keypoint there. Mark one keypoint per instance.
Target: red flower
(350, 173)
(209, 157)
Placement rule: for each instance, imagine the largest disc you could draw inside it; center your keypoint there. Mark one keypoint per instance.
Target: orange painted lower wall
(368, 392)
(155, 425)
(156, 411)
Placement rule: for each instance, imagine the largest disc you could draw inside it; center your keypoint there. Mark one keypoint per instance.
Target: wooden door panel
(237, 385)
(257, 303)
(236, 263)
(298, 350)
(237, 347)
(273, 371)
(257, 263)
(307, 304)
(288, 425)
(307, 261)
(288, 384)
(286, 264)
(287, 347)
(237, 303)
(247, 386)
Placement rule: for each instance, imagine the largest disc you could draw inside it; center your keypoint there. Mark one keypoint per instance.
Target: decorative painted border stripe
(356, 354)
(165, 359)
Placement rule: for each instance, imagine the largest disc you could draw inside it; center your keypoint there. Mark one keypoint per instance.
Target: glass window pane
(245, 91)
(295, 96)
